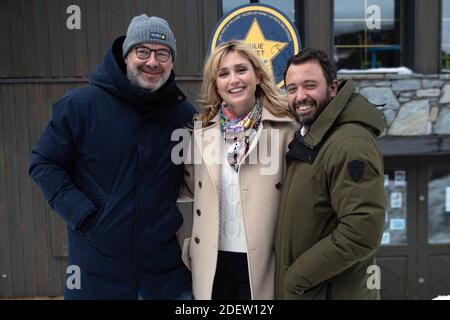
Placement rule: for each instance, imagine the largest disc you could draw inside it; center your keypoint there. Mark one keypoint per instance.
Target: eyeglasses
(143, 53)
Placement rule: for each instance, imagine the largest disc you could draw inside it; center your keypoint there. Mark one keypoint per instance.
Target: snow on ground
(400, 70)
(442, 298)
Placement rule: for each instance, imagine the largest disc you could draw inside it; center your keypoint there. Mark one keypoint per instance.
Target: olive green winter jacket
(333, 204)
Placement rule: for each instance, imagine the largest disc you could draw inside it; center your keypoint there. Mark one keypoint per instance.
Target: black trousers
(231, 281)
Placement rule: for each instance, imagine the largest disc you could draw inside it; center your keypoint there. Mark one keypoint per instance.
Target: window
(228, 5)
(361, 43)
(439, 206)
(285, 6)
(446, 35)
(395, 187)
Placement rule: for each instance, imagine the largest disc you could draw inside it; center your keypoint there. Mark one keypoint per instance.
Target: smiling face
(149, 74)
(307, 90)
(236, 83)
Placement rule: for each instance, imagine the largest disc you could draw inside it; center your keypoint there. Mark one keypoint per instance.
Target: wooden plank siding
(428, 34)
(40, 45)
(40, 59)
(6, 50)
(12, 199)
(32, 237)
(6, 281)
(317, 20)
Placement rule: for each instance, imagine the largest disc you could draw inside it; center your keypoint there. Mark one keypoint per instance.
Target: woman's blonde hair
(267, 92)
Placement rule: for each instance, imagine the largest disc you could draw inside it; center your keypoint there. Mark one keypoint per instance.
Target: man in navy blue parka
(104, 165)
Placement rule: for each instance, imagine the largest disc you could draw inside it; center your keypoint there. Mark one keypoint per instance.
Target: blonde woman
(240, 141)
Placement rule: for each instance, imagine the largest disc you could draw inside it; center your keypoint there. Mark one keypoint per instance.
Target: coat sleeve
(360, 211)
(52, 161)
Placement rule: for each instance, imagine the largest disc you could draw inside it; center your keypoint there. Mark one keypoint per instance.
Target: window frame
(403, 25)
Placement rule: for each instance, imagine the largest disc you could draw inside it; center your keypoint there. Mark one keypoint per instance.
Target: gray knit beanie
(145, 29)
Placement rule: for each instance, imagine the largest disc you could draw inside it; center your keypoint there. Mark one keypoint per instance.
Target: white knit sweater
(231, 226)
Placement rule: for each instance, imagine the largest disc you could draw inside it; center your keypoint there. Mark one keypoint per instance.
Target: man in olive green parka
(333, 203)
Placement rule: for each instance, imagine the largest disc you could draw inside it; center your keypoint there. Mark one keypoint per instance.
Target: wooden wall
(427, 32)
(316, 24)
(32, 238)
(38, 43)
(40, 59)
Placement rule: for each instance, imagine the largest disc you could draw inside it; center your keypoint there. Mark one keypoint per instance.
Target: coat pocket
(91, 229)
(186, 254)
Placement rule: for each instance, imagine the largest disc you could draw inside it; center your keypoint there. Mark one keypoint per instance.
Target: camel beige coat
(260, 180)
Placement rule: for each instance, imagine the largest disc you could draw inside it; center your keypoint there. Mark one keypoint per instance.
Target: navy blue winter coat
(106, 154)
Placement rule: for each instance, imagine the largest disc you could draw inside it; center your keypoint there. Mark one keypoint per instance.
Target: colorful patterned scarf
(238, 132)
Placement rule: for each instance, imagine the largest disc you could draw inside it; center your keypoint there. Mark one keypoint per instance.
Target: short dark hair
(328, 67)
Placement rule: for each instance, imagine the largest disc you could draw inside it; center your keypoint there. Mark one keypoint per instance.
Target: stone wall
(414, 104)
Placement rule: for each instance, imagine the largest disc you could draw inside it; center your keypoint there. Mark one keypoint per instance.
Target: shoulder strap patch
(356, 170)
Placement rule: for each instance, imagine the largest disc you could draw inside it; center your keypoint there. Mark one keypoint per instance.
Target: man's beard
(309, 119)
(135, 77)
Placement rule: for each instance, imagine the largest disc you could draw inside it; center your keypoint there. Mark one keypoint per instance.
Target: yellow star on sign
(267, 49)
